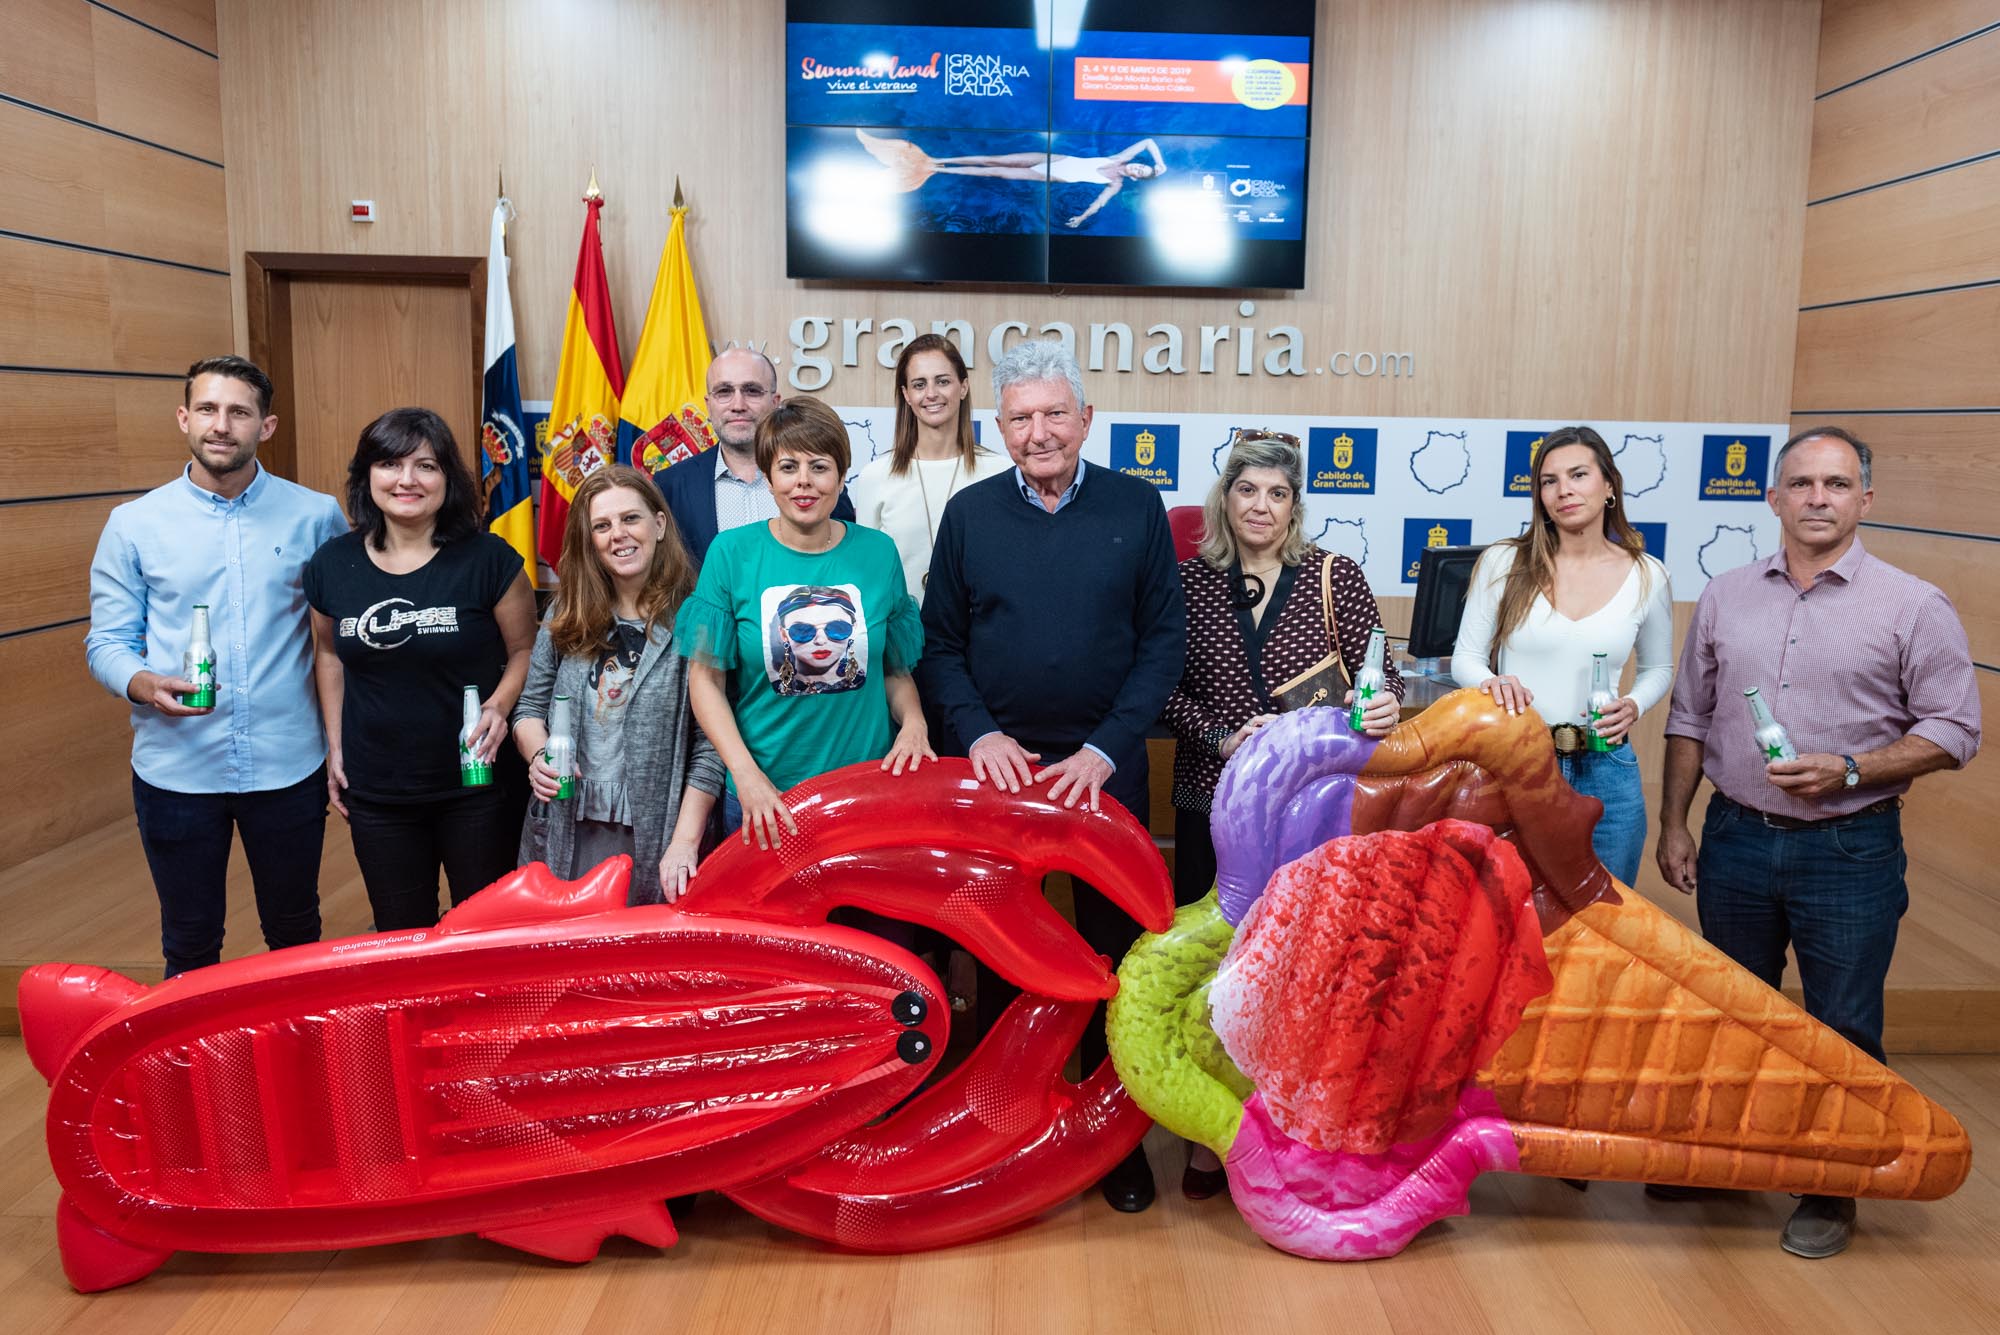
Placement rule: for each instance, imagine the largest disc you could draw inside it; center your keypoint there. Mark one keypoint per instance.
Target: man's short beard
(243, 460)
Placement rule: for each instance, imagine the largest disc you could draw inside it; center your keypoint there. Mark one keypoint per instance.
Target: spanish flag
(504, 472)
(662, 421)
(583, 416)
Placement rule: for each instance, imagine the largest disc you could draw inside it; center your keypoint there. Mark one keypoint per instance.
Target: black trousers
(1194, 856)
(401, 845)
(1107, 929)
(186, 837)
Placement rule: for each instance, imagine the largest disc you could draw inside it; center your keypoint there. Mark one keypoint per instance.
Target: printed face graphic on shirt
(815, 638)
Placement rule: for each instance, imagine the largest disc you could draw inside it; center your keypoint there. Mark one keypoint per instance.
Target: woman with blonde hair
(1577, 584)
(646, 779)
(935, 456)
(1266, 609)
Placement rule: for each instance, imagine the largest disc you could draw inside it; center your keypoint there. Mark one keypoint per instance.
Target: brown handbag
(1325, 682)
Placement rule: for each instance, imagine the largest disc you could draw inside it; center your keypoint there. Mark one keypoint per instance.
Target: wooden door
(348, 337)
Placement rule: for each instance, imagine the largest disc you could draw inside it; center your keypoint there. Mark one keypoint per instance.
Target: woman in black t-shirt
(408, 610)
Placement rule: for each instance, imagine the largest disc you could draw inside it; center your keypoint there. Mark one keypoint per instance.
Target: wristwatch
(1853, 778)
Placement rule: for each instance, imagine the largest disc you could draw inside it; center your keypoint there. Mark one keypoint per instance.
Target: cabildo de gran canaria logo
(1419, 534)
(1341, 459)
(1733, 467)
(1150, 452)
(1524, 450)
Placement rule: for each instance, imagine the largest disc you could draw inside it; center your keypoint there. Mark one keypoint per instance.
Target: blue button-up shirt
(738, 502)
(179, 545)
(1032, 497)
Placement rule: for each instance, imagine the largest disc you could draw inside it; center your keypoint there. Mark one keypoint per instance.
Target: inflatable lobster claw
(547, 1066)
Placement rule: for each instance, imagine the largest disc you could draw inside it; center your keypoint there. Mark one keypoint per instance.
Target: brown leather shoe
(1820, 1227)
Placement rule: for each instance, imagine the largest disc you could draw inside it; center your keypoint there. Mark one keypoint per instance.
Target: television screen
(1048, 141)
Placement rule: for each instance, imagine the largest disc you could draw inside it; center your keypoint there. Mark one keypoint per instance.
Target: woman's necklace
(1247, 589)
(923, 490)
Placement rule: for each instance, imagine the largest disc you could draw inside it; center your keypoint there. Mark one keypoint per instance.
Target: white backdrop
(1380, 488)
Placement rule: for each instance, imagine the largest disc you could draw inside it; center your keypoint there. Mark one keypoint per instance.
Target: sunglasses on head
(1256, 435)
(837, 631)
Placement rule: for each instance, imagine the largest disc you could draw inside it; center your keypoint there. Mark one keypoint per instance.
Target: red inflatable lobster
(547, 1066)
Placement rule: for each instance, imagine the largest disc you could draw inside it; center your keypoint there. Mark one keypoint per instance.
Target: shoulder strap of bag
(1326, 607)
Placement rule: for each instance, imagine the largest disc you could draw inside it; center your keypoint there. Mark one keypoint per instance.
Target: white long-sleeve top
(898, 505)
(1551, 654)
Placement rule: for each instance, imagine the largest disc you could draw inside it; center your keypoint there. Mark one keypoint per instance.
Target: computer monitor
(1444, 575)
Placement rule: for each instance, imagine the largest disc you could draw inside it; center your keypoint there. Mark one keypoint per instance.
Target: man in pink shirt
(1868, 669)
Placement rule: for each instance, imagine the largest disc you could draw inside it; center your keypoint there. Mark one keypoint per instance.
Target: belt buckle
(1567, 738)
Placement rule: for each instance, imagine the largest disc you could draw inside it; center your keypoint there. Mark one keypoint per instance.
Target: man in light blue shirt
(229, 535)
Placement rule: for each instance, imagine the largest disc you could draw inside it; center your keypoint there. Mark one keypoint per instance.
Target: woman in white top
(1576, 584)
(904, 493)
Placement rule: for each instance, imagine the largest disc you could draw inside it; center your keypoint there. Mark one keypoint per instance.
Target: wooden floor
(1534, 1256)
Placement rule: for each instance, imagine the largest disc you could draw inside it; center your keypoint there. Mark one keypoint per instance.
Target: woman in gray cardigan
(645, 778)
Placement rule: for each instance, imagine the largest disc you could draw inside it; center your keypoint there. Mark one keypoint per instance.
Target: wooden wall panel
(1943, 108)
(73, 183)
(54, 307)
(155, 88)
(45, 549)
(1948, 818)
(90, 433)
(162, 319)
(1932, 470)
(1569, 230)
(1936, 231)
(76, 745)
(190, 20)
(65, 310)
(1962, 567)
(45, 57)
(71, 308)
(1938, 351)
(1859, 37)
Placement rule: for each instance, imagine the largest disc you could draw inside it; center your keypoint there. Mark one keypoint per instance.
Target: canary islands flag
(583, 415)
(503, 467)
(661, 418)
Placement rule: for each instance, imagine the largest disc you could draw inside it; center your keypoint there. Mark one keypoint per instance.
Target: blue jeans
(1835, 893)
(186, 837)
(1612, 777)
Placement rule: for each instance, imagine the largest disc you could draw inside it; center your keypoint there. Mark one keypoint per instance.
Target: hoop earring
(1610, 501)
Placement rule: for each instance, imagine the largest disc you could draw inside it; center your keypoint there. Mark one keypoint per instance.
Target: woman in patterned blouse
(1255, 621)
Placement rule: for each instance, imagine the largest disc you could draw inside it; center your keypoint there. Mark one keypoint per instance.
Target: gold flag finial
(592, 191)
(680, 201)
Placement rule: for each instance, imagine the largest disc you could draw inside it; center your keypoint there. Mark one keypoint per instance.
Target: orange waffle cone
(1656, 1058)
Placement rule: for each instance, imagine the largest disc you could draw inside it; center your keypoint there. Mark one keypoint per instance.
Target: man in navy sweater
(1053, 634)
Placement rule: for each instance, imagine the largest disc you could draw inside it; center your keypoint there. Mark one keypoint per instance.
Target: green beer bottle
(198, 663)
(472, 771)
